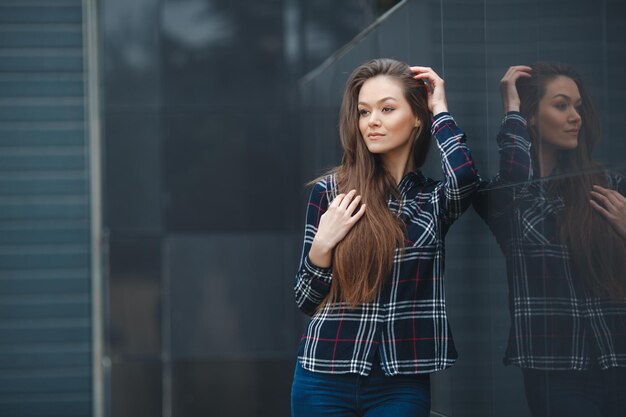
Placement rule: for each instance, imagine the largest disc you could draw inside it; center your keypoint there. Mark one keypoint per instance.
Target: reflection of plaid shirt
(555, 323)
(407, 323)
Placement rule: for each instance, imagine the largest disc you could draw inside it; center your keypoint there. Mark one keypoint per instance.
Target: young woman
(371, 274)
(560, 219)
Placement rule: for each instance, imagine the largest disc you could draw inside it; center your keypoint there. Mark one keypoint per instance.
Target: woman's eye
(363, 112)
(561, 106)
(387, 109)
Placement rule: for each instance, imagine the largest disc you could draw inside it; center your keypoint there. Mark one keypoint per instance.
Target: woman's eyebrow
(381, 100)
(565, 96)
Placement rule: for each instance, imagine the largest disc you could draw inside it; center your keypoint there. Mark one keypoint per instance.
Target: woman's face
(386, 120)
(558, 118)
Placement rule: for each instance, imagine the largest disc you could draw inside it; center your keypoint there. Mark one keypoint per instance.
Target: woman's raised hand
(434, 86)
(334, 225)
(510, 96)
(612, 206)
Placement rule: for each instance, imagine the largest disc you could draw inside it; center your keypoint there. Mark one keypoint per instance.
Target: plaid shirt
(405, 327)
(555, 323)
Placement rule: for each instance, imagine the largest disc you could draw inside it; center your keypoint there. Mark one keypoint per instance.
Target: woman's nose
(374, 120)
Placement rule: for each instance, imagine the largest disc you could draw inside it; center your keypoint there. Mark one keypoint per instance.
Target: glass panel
(218, 113)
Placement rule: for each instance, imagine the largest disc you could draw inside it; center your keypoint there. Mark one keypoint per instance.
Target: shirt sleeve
(514, 147)
(460, 175)
(312, 282)
(494, 197)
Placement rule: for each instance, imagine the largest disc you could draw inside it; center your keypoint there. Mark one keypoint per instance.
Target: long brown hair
(596, 249)
(364, 258)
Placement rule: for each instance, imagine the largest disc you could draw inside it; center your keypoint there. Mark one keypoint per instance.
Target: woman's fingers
(516, 71)
(350, 203)
(602, 198)
(428, 74)
(417, 69)
(613, 196)
(435, 89)
(347, 202)
(508, 89)
(337, 221)
(425, 72)
(335, 203)
(604, 212)
(611, 205)
(347, 199)
(354, 204)
(358, 214)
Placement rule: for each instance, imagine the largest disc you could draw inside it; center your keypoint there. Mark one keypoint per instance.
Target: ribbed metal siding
(45, 304)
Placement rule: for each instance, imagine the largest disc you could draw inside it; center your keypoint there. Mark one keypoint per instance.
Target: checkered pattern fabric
(406, 326)
(555, 323)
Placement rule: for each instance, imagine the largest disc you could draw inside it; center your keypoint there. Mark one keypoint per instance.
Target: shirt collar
(410, 179)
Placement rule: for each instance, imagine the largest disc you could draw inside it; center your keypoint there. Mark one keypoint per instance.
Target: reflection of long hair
(363, 259)
(597, 250)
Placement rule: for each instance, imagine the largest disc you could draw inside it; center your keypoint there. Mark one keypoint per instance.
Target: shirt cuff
(323, 274)
(439, 119)
(514, 116)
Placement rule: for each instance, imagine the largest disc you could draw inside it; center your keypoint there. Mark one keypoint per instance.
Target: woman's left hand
(612, 206)
(434, 86)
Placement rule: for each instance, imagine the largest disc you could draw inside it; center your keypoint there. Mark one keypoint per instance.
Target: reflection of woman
(564, 238)
(371, 274)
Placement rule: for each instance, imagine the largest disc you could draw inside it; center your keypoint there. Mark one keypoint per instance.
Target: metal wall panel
(45, 277)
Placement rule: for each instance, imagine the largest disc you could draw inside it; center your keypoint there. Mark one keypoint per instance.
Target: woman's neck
(398, 165)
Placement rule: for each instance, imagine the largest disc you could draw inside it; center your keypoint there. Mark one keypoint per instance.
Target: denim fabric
(351, 395)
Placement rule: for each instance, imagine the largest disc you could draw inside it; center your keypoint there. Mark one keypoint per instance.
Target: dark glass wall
(216, 113)
(202, 148)
(471, 44)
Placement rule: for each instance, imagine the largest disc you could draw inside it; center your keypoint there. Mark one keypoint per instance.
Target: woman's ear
(417, 122)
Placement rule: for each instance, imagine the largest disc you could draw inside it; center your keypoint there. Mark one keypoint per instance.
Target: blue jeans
(317, 394)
